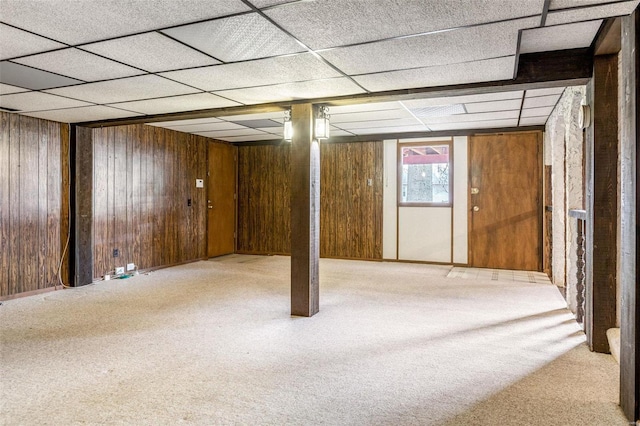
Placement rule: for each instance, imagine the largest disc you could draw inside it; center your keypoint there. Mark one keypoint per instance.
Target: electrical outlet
(119, 270)
(116, 252)
(131, 266)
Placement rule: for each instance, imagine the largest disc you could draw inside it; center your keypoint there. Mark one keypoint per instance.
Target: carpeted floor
(213, 343)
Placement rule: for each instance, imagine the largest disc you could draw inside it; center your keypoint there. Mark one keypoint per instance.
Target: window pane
(425, 174)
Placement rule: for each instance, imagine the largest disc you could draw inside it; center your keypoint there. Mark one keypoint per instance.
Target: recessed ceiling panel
(152, 52)
(275, 115)
(259, 124)
(236, 132)
(176, 103)
(449, 47)
(377, 106)
(439, 111)
(390, 129)
(250, 138)
(23, 76)
(540, 101)
(331, 23)
(125, 89)
(559, 37)
(237, 38)
(292, 91)
(185, 122)
(487, 70)
(82, 114)
(397, 122)
(490, 124)
(493, 106)
(589, 13)
(76, 22)
(545, 92)
(78, 64)
(370, 115)
(15, 42)
(261, 72)
(37, 101)
(487, 97)
(6, 89)
(534, 121)
(481, 116)
(537, 112)
(206, 127)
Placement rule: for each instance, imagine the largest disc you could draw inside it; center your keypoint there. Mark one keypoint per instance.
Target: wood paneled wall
(34, 202)
(143, 179)
(350, 209)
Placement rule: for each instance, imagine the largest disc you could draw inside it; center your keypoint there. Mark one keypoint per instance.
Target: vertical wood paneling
(32, 196)
(351, 211)
(63, 133)
(5, 231)
(144, 176)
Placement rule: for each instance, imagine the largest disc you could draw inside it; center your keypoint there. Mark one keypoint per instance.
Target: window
(424, 172)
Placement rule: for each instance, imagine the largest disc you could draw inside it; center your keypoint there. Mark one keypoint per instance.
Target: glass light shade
(288, 130)
(321, 128)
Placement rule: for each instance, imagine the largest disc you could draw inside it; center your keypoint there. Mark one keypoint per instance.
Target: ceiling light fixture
(321, 123)
(288, 125)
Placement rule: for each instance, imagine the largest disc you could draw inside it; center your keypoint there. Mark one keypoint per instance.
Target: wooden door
(505, 188)
(221, 203)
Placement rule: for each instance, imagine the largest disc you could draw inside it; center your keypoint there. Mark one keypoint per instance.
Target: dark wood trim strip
(82, 205)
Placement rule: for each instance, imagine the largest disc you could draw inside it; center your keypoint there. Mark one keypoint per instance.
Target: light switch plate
(199, 183)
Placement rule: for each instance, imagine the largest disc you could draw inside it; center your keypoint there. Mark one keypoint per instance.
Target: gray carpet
(213, 343)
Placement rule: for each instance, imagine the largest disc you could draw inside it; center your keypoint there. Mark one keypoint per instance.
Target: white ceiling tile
(275, 115)
(125, 89)
(6, 89)
(176, 103)
(537, 112)
(564, 4)
(390, 129)
(339, 132)
(15, 42)
(82, 114)
(184, 122)
(480, 71)
(207, 127)
(370, 115)
(250, 138)
(481, 116)
(540, 101)
(533, 121)
(559, 37)
(486, 97)
(153, 52)
(268, 3)
(292, 91)
(379, 123)
(78, 21)
(331, 23)
(37, 101)
(493, 106)
(243, 131)
(491, 124)
(78, 64)
(588, 13)
(544, 92)
(377, 106)
(23, 76)
(449, 47)
(260, 72)
(237, 38)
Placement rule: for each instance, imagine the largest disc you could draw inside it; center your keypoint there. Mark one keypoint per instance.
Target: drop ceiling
(78, 61)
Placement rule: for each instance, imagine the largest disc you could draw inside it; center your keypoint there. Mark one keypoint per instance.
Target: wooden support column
(602, 202)
(305, 213)
(629, 230)
(81, 243)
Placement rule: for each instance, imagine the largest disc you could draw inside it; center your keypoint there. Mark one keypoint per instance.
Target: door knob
(476, 208)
